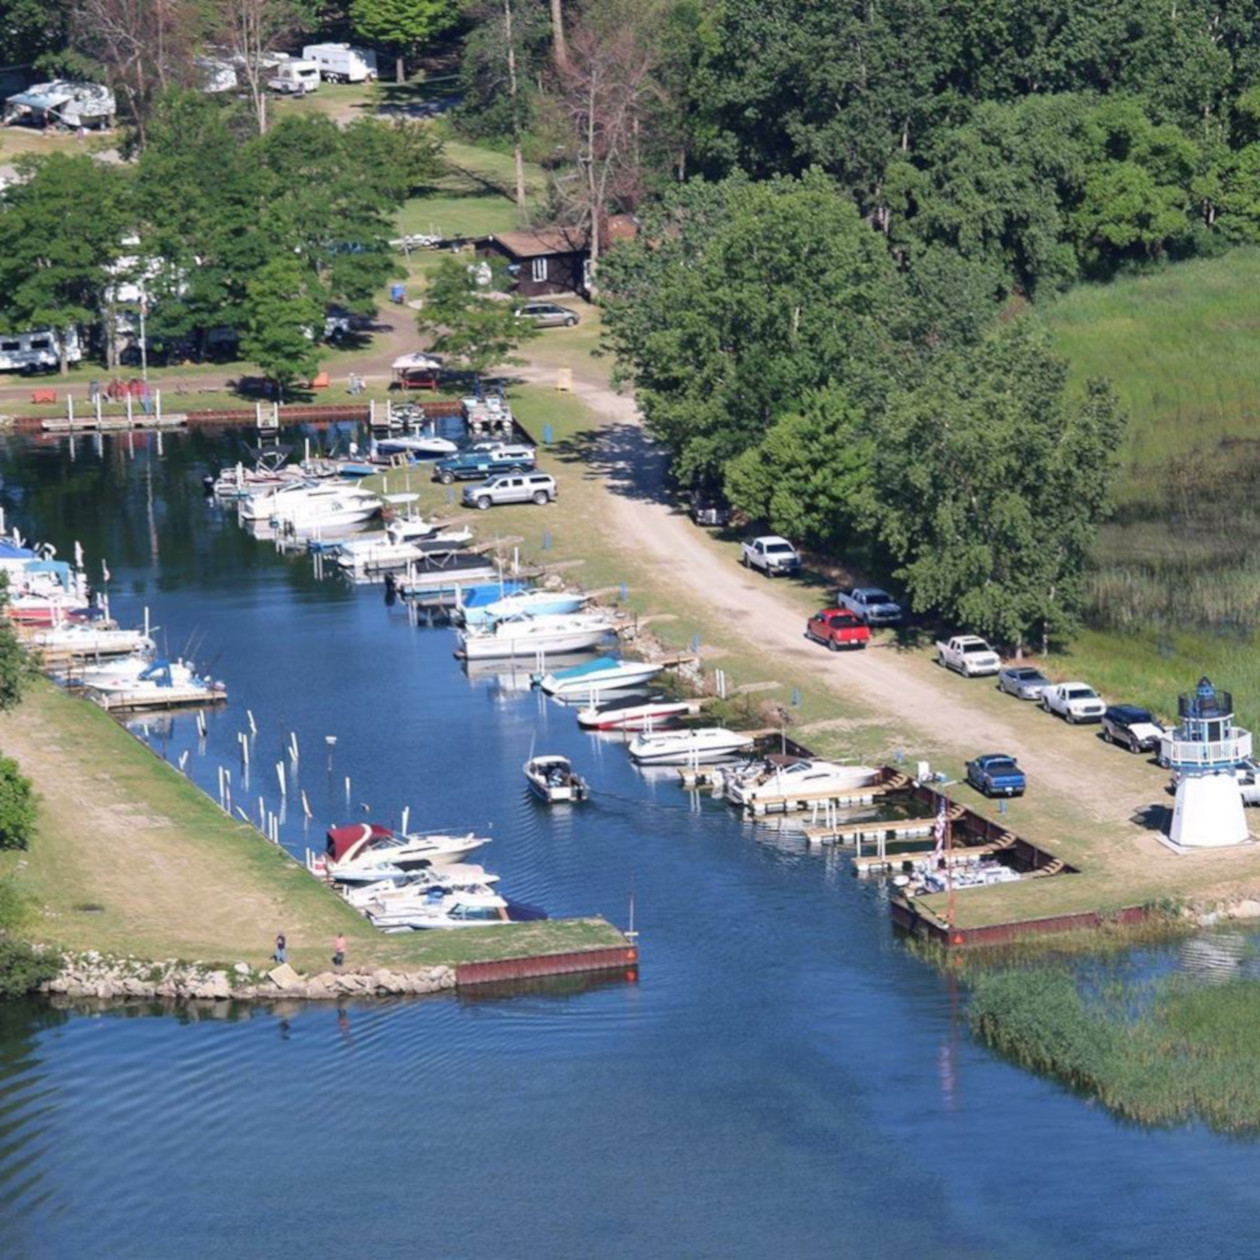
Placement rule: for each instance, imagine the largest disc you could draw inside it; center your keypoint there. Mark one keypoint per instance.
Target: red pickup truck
(838, 628)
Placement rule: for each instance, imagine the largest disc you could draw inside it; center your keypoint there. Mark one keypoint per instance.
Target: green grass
(1161, 1052)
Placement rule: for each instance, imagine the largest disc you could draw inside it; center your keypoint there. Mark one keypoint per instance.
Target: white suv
(526, 487)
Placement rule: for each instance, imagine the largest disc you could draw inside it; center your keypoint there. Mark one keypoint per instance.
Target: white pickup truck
(771, 554)
(970, 655)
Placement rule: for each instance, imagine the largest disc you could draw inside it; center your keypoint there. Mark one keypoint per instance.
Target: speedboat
(417, 445)
(690, 747)
(440, 908)
(386, 891)
(276, 502)
(535, 603)
(551, 779)
(159, 687)
(780, 776)
(631, 713)
(605, 673)
(110, 677)
(83, 639)
(347, 505)
(523, 635)
(365, 852)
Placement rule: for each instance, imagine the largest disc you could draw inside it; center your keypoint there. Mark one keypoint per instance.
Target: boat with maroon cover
(365, 852)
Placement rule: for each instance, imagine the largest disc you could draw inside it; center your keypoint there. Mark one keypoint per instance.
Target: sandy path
(899, 687)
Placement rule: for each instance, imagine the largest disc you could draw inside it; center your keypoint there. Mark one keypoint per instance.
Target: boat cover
(597, 666)
(342, 839)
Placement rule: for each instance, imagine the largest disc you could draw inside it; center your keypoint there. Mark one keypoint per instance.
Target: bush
(17, 806)
(23, 968)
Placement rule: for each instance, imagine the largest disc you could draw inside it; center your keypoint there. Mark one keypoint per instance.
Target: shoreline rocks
(105, 979)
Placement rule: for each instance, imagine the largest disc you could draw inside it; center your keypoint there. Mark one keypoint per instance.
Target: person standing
(282, 953)
(339, 950)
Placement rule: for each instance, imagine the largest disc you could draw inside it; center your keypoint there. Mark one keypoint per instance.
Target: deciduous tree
(407, 25)
(284, 316)
(17, 806)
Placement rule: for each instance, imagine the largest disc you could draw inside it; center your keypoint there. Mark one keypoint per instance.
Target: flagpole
(949, 872)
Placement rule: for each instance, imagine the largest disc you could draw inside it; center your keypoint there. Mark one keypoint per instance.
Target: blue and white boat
(605, 673)
(536, 603)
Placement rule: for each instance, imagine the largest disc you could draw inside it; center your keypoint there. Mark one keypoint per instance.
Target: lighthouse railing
(1191, 754)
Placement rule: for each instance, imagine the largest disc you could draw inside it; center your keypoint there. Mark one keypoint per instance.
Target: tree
(144, 46)
(476, 328)
(284, 314)
(992, 484)
(62, 227)
(737, 300)
(16, 669)
(251, 30)
(407, 25)
(17, 806)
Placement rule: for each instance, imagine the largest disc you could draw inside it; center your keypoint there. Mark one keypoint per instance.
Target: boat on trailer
(552, 780)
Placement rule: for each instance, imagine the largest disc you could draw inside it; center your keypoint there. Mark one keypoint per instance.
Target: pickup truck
(875, 607)
(837, 628)
(477, 465)
(1132, 727)
(970, 655)
(1074, 702)
(771, 554)
(996, 774)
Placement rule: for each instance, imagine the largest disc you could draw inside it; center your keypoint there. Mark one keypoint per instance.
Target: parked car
(968, 654)
(1023, 682)
(838, 628)
(534, 487)
(996, 774)
(875, 607)
(771, 554)
(1132, 726)
(548, 314)
(478, 463)
(1074, 702)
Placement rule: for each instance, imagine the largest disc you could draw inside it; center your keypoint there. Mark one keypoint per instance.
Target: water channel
(783, 1080)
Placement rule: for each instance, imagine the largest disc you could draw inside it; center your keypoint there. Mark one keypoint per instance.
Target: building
(552, 260)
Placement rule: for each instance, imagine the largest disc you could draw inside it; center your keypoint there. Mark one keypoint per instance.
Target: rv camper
(294, 77)
(340, 63)
(37, 351)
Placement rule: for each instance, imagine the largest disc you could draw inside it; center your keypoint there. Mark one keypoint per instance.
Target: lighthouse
(1203, 752)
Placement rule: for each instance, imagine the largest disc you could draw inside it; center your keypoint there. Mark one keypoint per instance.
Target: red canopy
(342, 839)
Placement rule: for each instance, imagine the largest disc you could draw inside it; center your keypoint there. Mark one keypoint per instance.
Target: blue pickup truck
(996, 774)
(478, 464)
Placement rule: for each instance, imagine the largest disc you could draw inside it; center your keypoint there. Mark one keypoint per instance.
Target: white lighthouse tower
(1203, 752)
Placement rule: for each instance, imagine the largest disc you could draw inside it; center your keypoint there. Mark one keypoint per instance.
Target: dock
(162, 698)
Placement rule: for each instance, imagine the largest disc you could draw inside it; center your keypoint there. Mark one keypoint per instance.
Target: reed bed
(1165, 1051)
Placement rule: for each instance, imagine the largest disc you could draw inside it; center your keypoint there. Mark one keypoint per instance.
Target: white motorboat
(605, 673)
(417, 445)
(85, 639)
(364, 853)
(159, 689)
(388, 891)
(780, 776)
(375, 556)
(690, 747)
(109, 677)
(551, 779)
(522, 635)
(632, 713)
(277, 501)
(348, 505)
(535, 603)
(455, 908)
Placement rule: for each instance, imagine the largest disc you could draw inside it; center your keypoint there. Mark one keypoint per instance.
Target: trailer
(342, 63)
(38, 351)
(294, 77)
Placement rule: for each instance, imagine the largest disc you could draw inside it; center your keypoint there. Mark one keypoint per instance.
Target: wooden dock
(171, 698)
(115, 424)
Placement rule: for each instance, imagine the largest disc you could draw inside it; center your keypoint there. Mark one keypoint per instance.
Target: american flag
(939, 830)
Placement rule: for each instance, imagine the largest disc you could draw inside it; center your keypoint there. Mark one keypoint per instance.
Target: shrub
(17, 806)
(23, 968)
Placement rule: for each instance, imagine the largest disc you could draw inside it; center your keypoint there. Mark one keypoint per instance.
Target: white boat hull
(627, 674)
(638, 718)
(686, 748)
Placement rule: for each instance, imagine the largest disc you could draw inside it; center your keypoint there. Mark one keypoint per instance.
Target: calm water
(783, 1081)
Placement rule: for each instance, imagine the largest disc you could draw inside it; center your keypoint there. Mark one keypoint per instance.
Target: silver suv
(528, 487)
(548, 314)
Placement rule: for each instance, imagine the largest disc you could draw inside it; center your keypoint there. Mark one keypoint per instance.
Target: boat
(376, 555)
(631, 713)
(443, 574)
(605, 673)
(362, 853)
(523, 635)
(457, 875)
(120, 675)
(440, 908)
(83, 639)
(536, 603)
(158, 687)
(416, 445)
(779, 776)
(347, 505)
(689, 747)
(551, 779)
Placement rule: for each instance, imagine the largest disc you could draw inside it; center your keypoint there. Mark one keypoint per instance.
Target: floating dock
(162, 698)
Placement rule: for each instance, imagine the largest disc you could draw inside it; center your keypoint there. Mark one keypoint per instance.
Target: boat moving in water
(551, 779)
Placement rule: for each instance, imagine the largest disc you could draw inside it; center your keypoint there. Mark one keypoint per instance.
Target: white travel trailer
(340, 63)
(215, 74)
(294, 77)
(37, 351)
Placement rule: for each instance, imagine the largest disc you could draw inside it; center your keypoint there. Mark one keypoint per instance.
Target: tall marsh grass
(1158, 1052)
